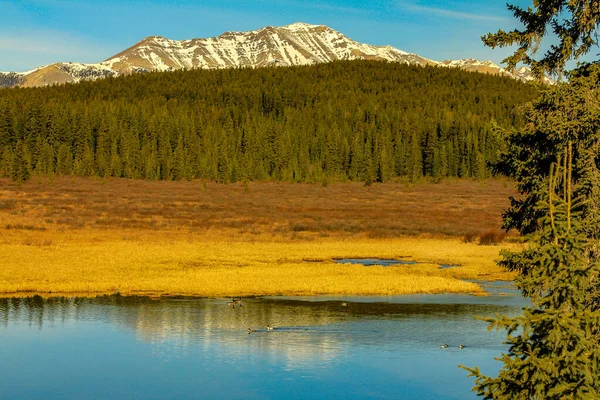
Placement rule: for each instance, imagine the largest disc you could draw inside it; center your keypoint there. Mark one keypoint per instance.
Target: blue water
(137, 348)
(382, 262)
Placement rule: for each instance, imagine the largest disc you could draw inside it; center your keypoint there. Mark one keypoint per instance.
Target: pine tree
(64, 160)
(362, 120)
(565, 112)
(115, 166)
(554, 348)
(415, 161)
(6, 161)
(21, 163)
(7, 133)
(85, 166)
(554, 351)
(575, 23)
(149, 157)
(165, 157)
(45, 162)
(180, 164)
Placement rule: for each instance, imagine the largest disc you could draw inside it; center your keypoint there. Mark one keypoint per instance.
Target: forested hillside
(351, 120)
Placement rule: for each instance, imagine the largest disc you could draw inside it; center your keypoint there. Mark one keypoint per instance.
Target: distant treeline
(352, 120)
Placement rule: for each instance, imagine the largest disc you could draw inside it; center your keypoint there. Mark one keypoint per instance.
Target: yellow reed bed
(167, 263)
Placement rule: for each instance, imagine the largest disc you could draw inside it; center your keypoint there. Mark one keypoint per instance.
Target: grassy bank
(79, 236)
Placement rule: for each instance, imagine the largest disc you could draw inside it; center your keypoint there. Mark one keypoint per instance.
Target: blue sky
(38, 32)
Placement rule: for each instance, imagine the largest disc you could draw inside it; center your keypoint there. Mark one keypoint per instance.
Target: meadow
(90, 236)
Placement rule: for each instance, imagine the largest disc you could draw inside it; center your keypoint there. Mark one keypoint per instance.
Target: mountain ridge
(295, 44)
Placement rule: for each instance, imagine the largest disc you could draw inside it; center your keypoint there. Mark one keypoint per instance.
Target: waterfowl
(231, 304)
(250, 330)
(344, 304)
(269, 328)
(444, 346)
(237, 301)
(460, 346)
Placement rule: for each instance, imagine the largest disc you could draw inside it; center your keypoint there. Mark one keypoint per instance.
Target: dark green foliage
(566, 112)
(20, 162)
(574, 23)
(554, 346)
(554, 351)
(361, 121)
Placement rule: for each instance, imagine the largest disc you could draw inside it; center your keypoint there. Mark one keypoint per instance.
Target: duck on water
(445, 346)
(235, 302)
(269, 329)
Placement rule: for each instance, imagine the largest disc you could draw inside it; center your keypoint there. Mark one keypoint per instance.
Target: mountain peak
(299, 43)
(301, 26)
(153, 37)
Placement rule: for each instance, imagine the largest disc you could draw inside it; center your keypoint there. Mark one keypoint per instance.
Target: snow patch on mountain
(296, 44)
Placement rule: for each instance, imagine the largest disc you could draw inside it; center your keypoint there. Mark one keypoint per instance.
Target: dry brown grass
(74, 236)
(292, 211)
(492, 238)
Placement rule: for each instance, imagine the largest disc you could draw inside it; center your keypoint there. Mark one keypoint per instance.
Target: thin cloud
(24, 45)
(461, 15)
(46, 43)
(23, 51)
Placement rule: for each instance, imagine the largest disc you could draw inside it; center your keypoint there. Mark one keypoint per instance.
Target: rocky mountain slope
(295, 44)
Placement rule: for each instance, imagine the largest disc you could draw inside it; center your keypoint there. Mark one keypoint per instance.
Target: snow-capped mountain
(8, 79)
(488, 67)
(295, 44)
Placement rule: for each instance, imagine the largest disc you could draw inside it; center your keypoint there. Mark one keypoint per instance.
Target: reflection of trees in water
(304, 330)
(38, 312)
(173, 316)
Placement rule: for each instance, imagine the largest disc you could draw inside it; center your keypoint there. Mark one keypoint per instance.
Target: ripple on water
(371, 347)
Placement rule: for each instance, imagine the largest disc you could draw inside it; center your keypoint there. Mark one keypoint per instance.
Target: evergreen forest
(349, 120)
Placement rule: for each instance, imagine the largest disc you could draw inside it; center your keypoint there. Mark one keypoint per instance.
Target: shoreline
(295, 297)
(89, 235)
(84, 263)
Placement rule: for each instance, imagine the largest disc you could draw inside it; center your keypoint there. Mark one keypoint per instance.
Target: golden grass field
(75, 236)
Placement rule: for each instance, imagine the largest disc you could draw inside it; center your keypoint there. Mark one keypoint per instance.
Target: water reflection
(383, 262)
(325, 347)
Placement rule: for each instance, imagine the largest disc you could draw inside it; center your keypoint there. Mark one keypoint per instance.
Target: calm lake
(138, 348)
